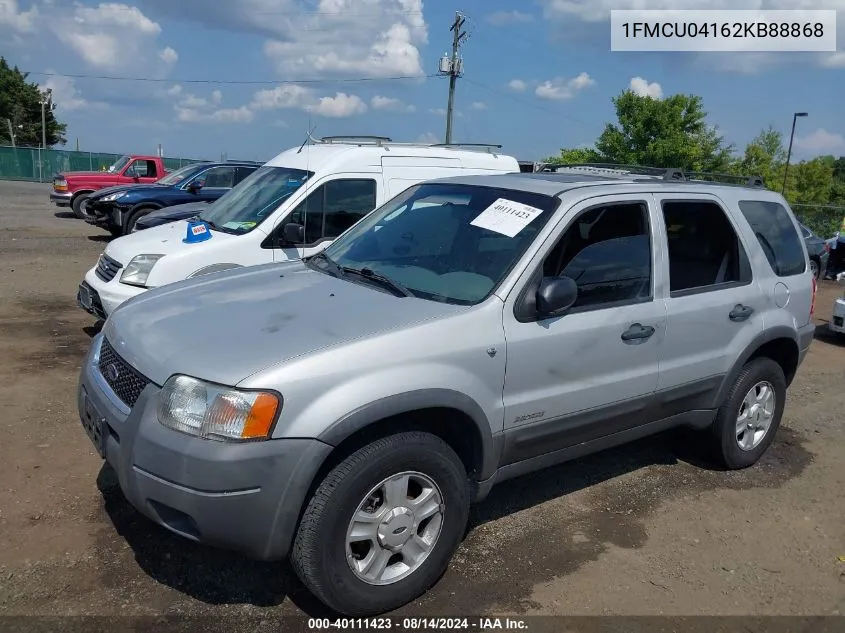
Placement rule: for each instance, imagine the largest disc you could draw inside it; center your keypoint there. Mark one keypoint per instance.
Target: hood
(158, 240)
(227, 326)
(86, 174)
(100, 193)
(178, 211)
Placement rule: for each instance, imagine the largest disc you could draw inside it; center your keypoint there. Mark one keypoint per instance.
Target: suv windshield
(252, 201)
(119, 164)
(443, 242)
(174, 178)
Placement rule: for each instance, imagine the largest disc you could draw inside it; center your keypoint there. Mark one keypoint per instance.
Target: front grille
(123, 379)
(107, 267)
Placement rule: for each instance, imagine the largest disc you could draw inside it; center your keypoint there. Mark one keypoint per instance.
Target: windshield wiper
(385, 282)
(215, 226)
(331, 265)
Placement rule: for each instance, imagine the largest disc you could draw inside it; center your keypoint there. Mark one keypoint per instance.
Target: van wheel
(78, 206)
(383, 524)
(748, 419)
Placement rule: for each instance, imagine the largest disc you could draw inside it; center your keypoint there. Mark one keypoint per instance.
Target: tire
(78, 206)
(133, 217)
(815, 268)
(319, 553)
(726, 427)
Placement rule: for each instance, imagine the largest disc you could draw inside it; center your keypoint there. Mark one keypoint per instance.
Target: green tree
(764, 156)
(20, 104)
(670, 132)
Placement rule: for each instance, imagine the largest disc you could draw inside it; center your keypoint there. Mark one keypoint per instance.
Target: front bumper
(108, 294)
(61, 198)
(837, 321)
(105, 214)
(246, 497)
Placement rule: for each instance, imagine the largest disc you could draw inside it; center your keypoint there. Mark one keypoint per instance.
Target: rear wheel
(383, 524)
(79, 206)
(815, 268)
(748, 419)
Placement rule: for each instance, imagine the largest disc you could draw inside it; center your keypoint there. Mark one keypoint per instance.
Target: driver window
(607, 251)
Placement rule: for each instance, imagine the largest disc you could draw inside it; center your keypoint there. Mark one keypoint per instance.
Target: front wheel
(815, 268)
(748, 419)
(79, 207)
(383, 524)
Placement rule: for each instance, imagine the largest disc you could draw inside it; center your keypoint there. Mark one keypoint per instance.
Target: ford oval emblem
(112, 372)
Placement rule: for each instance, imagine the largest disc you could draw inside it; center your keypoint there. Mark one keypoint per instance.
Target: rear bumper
(246, 497)
(61, 198)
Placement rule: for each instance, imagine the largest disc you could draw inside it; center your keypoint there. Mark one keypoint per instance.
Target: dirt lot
(644, 529)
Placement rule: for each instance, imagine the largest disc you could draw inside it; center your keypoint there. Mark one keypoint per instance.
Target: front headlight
(113, 196)
(215, 412)
(138, 270)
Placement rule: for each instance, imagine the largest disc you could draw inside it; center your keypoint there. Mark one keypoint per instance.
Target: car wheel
(815, 268)
(78, 205)
(131, 219)
(383, 524)
(748, 419)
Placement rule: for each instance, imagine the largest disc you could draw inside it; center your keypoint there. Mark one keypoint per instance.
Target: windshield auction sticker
(506, 217)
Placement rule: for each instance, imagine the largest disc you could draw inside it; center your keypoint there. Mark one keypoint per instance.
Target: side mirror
(555, 295)
(294, 233)
(196, 185)
(136, 177)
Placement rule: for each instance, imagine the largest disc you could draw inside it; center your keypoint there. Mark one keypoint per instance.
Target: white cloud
(644, 89)
(820, 142)
(216, 97)
(833, 60)
(225, 115)
(390, 105)
(192, 101)
(66, 95)
(561, 89)
(18, 21)
(174, 90)
(501, 18)
(169, 56)
(428, 137)
(438, 111)
(286, 96)
(114, 36)
(518, 85)
(478, 105)
(340, 106)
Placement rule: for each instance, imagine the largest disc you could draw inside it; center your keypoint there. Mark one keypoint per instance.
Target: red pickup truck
(72, 188)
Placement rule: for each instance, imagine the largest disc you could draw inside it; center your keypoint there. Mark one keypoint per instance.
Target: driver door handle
(740, 312)
(637, 332)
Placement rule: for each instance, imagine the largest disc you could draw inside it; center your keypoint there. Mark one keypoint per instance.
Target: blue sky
(539, 74)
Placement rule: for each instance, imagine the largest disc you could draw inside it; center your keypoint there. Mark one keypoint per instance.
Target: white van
(324, 186)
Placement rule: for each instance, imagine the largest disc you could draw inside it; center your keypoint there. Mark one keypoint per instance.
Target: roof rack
(662, 173)
(387, 142)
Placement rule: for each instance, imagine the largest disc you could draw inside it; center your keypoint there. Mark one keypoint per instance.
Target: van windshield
(254, 199)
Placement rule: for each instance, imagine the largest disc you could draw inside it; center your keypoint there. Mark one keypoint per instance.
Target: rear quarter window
(776, 234)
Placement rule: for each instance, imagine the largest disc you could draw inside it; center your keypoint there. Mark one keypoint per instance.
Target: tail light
(813, 302)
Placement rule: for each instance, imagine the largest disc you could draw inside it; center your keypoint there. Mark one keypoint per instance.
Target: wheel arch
(780, 344)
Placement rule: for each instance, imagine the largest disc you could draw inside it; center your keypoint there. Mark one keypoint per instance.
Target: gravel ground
(645, 529)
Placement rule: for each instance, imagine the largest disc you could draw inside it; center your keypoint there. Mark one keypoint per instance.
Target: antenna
(308, 135)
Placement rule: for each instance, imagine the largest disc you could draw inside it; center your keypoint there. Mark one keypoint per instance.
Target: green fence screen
(37, 165)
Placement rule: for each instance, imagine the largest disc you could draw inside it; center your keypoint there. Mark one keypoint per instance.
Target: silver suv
(346, 410)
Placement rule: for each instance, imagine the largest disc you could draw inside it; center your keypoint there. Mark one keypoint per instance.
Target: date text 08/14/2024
(418, 624)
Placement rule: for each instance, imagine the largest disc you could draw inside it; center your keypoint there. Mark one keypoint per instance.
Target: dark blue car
(118, 209)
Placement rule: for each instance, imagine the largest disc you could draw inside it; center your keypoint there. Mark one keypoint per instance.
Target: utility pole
(454, 67)
(11, 132)
(46, 100)
(789, 152)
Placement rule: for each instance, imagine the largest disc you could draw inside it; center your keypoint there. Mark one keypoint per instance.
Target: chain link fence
(37, 165)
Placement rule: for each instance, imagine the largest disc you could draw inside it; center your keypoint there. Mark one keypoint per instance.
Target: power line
(525, 102)
(234, 81)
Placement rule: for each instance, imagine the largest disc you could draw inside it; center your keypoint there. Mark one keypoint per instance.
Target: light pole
(789, 151)
(46, 100)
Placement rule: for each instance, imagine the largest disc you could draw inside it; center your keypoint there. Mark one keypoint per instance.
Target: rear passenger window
(607, 251)
(704, 250)
(776, 233)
